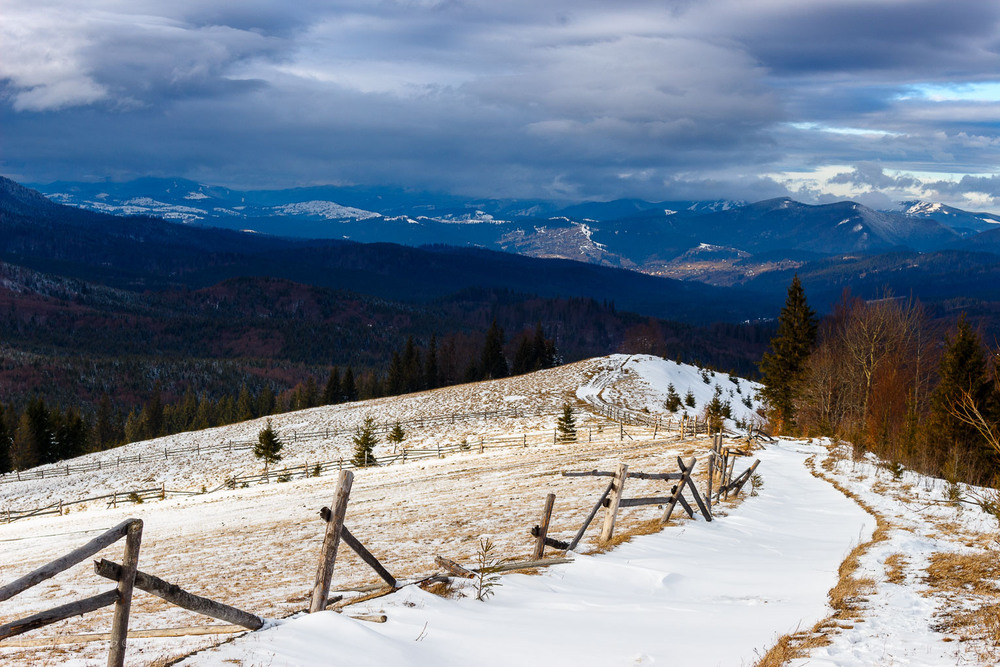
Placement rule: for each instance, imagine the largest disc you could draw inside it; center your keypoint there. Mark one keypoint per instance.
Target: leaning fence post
(543, 527)
(711, 475)
(614, 501)
(321, 590)
(130, 563)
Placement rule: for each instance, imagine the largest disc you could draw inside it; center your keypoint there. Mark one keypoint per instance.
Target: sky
(876, 100)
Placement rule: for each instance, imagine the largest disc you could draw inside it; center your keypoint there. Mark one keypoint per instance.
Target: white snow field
(694, 593)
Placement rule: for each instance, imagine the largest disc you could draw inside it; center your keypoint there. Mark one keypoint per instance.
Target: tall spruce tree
(964, 374)
(782, 368)
(6, 461)
(432, 372)
(348, 387)
(493, 365)
(331, 392)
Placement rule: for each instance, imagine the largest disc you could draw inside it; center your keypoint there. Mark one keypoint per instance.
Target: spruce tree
(268, 447)
(689, 399)
(104, 429)
(783, 367)
(673, 402)
(493, 365)
(566, 424)
(39, 442)
(6, 461)
(964, 375)
(244, 404)
(331, 392)
(348, 388)
(364, 444)
(394, 382)
(432, 373)
(397, 434)
(152, 415)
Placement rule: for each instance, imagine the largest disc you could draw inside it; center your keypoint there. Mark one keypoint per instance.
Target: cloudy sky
(876, 100)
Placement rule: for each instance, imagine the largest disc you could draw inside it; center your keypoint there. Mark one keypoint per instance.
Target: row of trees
(880, 374)
(43, 434)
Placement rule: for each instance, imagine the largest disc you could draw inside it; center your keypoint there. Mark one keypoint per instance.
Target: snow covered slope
(693, 593)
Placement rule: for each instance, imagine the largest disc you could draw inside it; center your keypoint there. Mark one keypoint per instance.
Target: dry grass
(895, 569)
(970, 584)
(790, 647)
(976, 573)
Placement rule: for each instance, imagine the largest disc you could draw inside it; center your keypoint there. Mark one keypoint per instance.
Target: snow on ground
(659, 599)
(693, 593)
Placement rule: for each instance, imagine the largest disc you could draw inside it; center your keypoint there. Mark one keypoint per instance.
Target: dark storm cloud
(561, 99)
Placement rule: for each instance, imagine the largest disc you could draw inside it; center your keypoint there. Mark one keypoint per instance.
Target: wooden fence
(601, 433)
(292, 435)
(127, 577)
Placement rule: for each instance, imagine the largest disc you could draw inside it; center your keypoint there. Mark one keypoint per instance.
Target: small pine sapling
(396, 436)
(689, 399)
(566, 424)
(268, 447)
(488, 570)
(756, 484)
(364, 444)
(673, 402)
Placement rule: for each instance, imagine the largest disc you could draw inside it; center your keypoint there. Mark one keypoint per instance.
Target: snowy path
(697, 593)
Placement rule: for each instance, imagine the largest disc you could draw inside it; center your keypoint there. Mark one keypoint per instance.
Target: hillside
(761, 569)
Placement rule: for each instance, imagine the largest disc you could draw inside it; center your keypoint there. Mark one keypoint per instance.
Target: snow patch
(325, 209)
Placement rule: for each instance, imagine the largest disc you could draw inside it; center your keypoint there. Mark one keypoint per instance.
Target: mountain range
(189, 298)
(718, 242)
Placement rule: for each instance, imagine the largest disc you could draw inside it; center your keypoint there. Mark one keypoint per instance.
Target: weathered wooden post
(331, 541)
(130, 563)
(543, 527)
(677, 495)
(725, 467)
(711, 475)
(617, 489)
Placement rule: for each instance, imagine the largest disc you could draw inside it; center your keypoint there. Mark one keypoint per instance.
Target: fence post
(618, 487)
(130, 563)
(543, 527)
(711, 475)
(331, 541)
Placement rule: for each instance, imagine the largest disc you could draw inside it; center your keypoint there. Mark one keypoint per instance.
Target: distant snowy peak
(134, 206)
(471, 217)
(325, 209)
(955, 218)
(712, 206)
